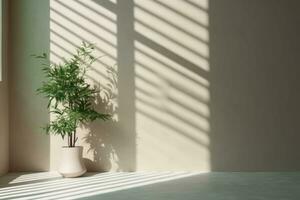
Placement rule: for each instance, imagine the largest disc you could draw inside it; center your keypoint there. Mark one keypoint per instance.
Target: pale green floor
(153, 185)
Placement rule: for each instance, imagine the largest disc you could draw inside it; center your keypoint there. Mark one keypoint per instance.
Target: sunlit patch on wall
(172, 86)
(74, 21)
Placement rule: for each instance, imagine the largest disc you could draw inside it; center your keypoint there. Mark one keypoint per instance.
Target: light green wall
(29, 34)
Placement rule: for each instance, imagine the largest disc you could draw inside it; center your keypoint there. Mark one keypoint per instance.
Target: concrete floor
(152, 185)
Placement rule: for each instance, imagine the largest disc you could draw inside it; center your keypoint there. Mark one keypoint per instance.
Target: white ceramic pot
(71, 163)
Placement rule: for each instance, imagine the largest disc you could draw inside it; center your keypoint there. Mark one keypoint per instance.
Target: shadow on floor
(154, 185)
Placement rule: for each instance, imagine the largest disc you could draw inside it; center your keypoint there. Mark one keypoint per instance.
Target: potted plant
(71, 102)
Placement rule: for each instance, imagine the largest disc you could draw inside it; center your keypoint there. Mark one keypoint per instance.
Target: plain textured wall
(4, 115)
(29, 34)
(255, 85)
(4, 111)
(217, 92)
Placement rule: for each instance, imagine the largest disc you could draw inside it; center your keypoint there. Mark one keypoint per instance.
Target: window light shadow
(162, 53)
(87, 186)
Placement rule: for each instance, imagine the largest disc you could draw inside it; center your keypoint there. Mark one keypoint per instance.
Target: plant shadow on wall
(70, 102)
(161, 48)
(70, 23)
(100, 136)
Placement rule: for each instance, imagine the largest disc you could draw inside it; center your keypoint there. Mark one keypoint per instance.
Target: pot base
(72, 175)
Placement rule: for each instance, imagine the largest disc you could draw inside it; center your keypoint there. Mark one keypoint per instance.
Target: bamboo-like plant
(70, 96)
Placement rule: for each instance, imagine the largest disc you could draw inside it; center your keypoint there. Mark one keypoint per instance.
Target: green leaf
(70, 97)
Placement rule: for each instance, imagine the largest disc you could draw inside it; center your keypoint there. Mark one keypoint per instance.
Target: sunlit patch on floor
(89, 185)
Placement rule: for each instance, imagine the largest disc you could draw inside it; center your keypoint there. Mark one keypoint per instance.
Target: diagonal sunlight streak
(71, 11)
(172, 85)
(99, 10)
(47, 189)
(172, 55)
(164, 133)
(102, 177)
(108, 5)
(165, 102)
(200, 49)
(149, 66)
(58, 48)
(201, 110)
(173, 66)
(59, 29)
(173, 20)
(162, 50)
(171, 119)
(153, 90)
(179, 37)
(135, 184)
(34, 177)
(74, 21)
(201, 5)
(86, 17)
(156, 137)
(173, 122)
(71, 44)
(171, 45)
(140, 181)
(176, 111)
(190, 16)
(80, 10)
(164, 128)
(92, 185)
(87, 181)
(108, 44)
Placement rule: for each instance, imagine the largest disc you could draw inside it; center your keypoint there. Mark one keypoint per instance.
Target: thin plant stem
(74, 134)
(70, 136)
